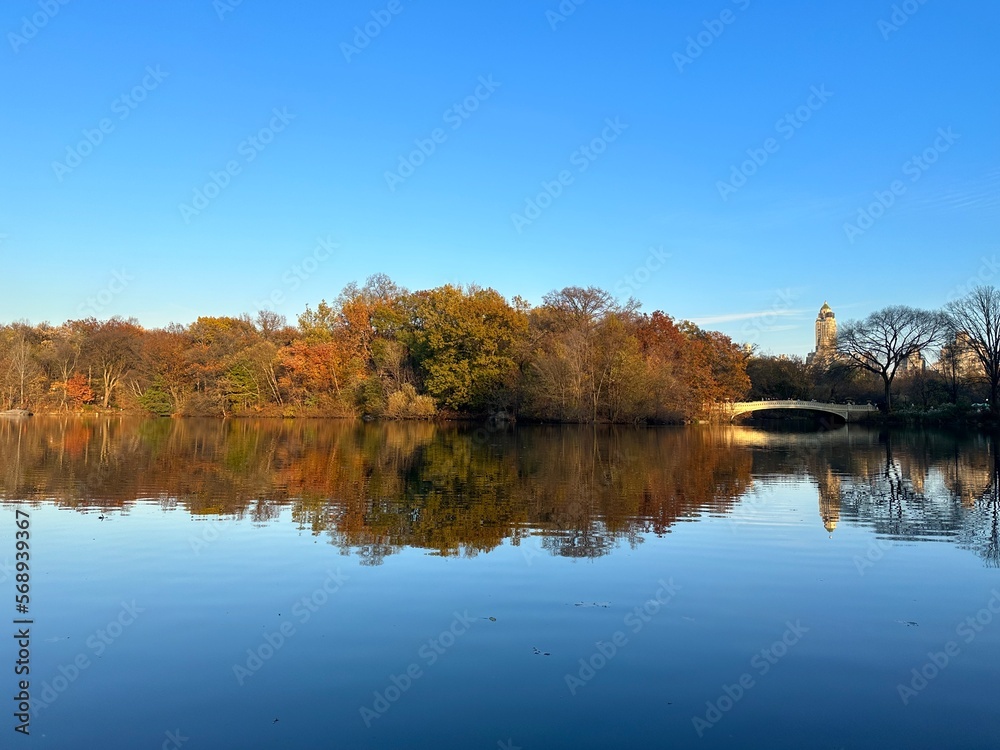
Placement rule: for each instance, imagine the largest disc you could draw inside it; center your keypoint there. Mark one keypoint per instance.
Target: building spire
(826, 335)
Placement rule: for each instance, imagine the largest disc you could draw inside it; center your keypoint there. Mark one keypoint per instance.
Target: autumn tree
(372, 312)
(111, 349)
(362, 330)
(670, 373)
(319, 374)
(371, 322)
(318, 325)
(217, 367)
(165, 366)
(623, 392)
(77, 391)
(716, 366)
(60, 356)
(572, 362)
(381, 350)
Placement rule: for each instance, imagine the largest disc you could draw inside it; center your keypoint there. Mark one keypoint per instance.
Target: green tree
(156, 400)
(463, 343)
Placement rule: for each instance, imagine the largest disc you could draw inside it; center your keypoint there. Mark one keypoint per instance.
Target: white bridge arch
(847, 412)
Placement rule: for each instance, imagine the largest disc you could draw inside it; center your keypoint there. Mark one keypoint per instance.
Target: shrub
(406, 404)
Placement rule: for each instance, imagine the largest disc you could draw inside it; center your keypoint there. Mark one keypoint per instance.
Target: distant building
(913, 364)
(826, 337)
(958, 358)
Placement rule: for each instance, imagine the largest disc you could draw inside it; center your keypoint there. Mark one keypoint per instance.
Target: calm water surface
(315, 584)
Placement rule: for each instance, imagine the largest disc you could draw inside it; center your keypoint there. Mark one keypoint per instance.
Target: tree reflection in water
(374, 489)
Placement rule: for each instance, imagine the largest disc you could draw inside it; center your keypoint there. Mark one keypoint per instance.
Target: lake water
(325, 584)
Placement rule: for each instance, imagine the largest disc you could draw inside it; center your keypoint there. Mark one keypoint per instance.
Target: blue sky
(705, 157)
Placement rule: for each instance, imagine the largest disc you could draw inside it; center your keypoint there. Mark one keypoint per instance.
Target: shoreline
(955, 418)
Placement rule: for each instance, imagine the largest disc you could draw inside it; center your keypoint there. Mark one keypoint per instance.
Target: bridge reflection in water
(847, 412)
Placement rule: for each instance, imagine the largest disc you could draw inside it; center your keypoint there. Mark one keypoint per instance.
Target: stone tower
(826, 335)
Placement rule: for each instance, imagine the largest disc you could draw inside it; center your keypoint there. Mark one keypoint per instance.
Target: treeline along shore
(381, 351)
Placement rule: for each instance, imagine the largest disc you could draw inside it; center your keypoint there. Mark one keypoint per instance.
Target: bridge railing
(794, 404)
(739, 407)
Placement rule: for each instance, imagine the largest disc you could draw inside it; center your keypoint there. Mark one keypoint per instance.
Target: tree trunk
(108, 387)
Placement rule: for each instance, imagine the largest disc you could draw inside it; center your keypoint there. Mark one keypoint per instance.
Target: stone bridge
(847, 412)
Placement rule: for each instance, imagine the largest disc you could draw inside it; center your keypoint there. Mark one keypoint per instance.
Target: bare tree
(18, 368)
(977, 315)
(951, 364)
(887, 339)
(270, 324)
(587, 306)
